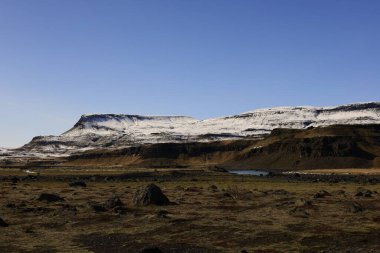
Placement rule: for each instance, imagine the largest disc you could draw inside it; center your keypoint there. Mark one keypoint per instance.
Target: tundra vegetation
(186, 210)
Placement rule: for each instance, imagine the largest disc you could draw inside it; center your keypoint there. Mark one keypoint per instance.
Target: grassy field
(213, 212)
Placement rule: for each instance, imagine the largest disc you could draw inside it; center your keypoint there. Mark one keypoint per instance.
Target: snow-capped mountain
(3, 151)
(115, 130)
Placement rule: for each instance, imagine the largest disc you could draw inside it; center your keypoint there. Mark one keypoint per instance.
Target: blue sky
(203, 58)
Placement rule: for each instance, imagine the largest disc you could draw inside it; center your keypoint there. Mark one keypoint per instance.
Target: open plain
(94, 211)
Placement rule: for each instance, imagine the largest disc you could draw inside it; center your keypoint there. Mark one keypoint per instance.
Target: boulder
(340, 192)
(50, 197)
(151, 250)
(150, 195)
(3, 223)
(299, 212)
(227, 195)
(15, 180)
(321, 194)
(98, 207)
(361, 192)
(213, 188)
(304, 203)
(115, 204)
(162, 214)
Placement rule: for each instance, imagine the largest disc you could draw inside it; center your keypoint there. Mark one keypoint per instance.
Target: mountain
(118, 130)
(3, 151)
(338, 146)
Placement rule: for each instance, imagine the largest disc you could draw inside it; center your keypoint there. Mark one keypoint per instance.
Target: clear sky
(202, 58)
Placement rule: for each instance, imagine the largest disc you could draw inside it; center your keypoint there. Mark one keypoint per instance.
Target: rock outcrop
(150, 195)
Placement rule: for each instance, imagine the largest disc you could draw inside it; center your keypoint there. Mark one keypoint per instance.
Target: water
(249, 172)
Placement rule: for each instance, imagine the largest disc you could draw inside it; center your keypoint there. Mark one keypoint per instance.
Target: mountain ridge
(338, 146)
(94, 131)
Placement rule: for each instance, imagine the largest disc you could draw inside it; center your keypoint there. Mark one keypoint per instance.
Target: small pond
(249, 172)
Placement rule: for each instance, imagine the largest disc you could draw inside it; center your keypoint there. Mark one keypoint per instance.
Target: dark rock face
(338, 146)
(3, 223)
(78, 184)
(50, 197)
(150, 195)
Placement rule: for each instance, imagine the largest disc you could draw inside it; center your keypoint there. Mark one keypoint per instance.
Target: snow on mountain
(115, 130)
(3, 151)
(104, 124)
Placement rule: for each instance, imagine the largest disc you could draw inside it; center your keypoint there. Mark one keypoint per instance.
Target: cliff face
(117, 130)
(340, 146)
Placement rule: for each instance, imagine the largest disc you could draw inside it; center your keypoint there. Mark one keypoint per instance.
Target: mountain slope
(338, 146)
(115, 131)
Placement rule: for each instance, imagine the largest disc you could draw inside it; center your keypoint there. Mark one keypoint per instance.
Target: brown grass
(257, 214)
